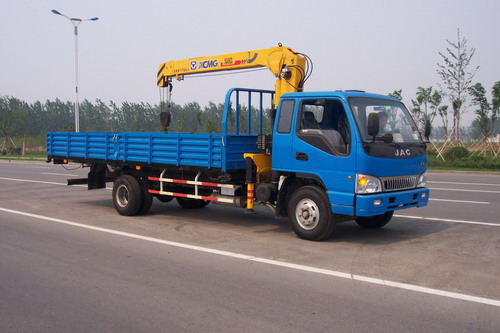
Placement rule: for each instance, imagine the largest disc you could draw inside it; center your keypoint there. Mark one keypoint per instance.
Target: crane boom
(287, 66)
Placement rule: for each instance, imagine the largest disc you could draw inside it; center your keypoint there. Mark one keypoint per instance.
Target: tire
(147, 198)
(127, 195)
(309, 214)
(374, 222)
(189, 203)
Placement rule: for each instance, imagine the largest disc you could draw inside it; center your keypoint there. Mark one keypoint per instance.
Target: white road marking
(58, 174)
(310, 269)
(37, 167)
(38, 181)
(448, 220)
(462, 201)
(479, 184)
(44, 182)
(461, 190)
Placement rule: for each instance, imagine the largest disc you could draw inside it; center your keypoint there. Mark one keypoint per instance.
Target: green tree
(397, 94)
(57, 116)
(443, 113)
(116, 121)
(495, 104)
(487, 113)
(6, 119)
(94, 117)
(457, 76)
(213, 117)
(426, 105)
(479, 99)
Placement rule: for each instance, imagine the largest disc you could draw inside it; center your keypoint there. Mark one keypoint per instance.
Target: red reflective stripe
(190, 182)
(180, 195)
(209, 184)
(153, 191)
(210, 198)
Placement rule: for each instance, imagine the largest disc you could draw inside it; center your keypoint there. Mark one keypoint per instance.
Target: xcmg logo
(204, 64)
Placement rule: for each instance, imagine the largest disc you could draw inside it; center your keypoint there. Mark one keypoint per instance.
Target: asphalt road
(70, 263)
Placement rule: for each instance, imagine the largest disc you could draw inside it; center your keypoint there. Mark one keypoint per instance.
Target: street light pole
(76, 22)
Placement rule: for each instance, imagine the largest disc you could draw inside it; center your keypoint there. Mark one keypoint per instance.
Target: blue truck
(330, 157)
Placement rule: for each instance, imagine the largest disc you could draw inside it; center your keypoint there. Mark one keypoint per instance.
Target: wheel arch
(292, 183)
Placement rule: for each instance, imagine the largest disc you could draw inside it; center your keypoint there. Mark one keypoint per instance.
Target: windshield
(394, 119)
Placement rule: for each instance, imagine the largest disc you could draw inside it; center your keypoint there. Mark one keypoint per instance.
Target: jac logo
(403, 152)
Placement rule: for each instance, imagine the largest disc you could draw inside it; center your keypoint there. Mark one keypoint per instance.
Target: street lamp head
(56, 12)
(94, 19)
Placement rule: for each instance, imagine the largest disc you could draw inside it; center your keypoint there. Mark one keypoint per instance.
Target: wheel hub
(307, 214)
(122, 196)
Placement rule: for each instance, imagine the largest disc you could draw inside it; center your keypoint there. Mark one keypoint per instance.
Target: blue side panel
(165, 149)
(83, 145)
(236, 146)
(97, 146)
(202, 150)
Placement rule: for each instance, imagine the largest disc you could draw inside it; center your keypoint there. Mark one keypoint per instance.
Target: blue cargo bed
(223, 151)
(213, 151)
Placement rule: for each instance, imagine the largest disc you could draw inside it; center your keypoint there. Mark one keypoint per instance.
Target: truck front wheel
(127, 195)
(374, 222)
(309, 213)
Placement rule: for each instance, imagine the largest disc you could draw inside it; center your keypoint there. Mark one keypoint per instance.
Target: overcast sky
(377, 46)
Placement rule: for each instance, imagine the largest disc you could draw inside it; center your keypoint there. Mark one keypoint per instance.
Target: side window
(323, 124)
(285, 118)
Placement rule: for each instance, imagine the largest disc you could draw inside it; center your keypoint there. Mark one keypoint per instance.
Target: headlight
(422, 180)
(367, 184)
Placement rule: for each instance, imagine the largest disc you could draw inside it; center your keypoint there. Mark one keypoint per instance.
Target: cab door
(283, 136)
(323, 149)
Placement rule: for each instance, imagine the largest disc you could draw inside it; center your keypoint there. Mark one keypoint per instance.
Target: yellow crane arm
(287, 66)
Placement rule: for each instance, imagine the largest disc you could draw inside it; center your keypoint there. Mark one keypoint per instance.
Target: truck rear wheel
(127, 195)
(374, 222)
(147, 198)
(309, 213)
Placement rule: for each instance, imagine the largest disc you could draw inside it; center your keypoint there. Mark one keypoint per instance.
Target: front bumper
(380, 203)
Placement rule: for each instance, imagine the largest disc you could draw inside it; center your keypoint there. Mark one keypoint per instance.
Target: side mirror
(165, 118)
(427, 129)
(373, 124)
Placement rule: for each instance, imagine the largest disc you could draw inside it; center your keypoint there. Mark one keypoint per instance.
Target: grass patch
(459, 158)
(27, 157)
(462, 169)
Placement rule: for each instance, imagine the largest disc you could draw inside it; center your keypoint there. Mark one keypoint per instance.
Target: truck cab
(323, 140)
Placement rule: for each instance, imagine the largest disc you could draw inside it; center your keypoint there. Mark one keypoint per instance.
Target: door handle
(301, 157)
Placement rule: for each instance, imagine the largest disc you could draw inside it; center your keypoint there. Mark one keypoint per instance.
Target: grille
(399, 183)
